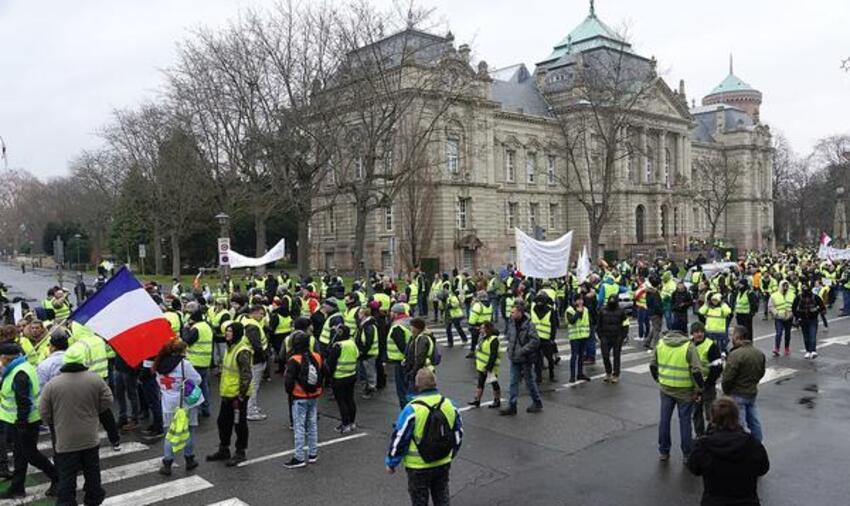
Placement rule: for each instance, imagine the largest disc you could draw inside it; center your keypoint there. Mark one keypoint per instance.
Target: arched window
(640, 223)
(650, 163)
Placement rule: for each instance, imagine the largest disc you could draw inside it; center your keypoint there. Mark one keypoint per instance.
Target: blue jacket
(600, 296)
(403, 433)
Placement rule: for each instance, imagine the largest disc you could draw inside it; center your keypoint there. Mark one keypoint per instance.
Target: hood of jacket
(168, 364)
(729, 445)
(675, 338)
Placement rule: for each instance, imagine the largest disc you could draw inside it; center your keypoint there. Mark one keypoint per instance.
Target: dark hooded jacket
(730, 463)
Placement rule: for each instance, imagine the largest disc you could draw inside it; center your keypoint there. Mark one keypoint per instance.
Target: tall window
(650, 163)
(675, 221)
(467, 260)
(553, 216)
(388, 219)
(632, 165)
(664, 221)
(530, 167)
(452, 156)
(551, 166)
(386, 261)
(696, 227)
(331, 221)
(667, 164)
(462, 213)
(358, 168)
(513, 214)
(640, 224)
(388, 162)
(533, 209)
(510, 166)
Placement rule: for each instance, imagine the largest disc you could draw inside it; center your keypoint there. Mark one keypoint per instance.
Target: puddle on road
(811, 388)
(809, 400)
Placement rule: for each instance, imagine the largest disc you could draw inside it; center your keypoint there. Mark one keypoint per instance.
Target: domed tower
(735, 92)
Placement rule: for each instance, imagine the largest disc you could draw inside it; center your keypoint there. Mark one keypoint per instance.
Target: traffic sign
(223, 251)
(142, 251)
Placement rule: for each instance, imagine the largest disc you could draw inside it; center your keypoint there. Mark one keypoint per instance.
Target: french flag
(123, 313)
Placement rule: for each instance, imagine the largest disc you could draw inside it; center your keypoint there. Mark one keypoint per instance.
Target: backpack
(438, 439)
(436, 356)
(310, 375)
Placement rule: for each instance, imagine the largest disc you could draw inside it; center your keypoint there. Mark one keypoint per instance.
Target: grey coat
(523, 343)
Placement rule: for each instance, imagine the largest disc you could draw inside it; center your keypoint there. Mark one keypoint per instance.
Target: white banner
(238, 261)
(830, 253)
(583, 266)
(543, 259)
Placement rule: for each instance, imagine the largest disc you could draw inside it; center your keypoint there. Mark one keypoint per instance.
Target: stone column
(641, 169)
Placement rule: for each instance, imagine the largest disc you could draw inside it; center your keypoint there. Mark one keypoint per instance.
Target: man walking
(711, 365)
(675, 366)
(523, 344)
(745, 367)
(655, 308)
(426, 455)
(71, 405)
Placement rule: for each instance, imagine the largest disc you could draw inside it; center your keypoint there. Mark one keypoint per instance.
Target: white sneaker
(814, 354)
(807, 355)
(256, 417)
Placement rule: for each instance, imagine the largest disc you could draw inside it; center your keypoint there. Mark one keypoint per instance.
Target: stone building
(503, 165)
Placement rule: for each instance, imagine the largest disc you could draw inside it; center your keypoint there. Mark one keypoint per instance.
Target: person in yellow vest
(412, 292)
(578, 332)
(235, 388)
(19, 392)
(545, 318)
(780, 306)
(280, 324)
(397, 340)
(256, 335)
(172, 314)
(675, 365)
(487, 360)
(366, 339)
(716, 313)
(769, 285)
(342, 367)
(60, 304)
(426, 455)
(453, 314)
(352, 312)
(744, 304)
(199, 338)
(711, 367)
(481, 313)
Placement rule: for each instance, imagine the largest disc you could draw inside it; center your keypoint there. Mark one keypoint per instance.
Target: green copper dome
(732, 83)
(591, 33)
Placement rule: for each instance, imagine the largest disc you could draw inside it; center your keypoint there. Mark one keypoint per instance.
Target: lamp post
(224, 239)
(77, 238)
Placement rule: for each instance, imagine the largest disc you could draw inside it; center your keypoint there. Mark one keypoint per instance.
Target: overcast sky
(67, 63)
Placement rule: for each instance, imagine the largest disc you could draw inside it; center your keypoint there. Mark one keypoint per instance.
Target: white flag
(273, 255)
(583, 265)
(543, 259)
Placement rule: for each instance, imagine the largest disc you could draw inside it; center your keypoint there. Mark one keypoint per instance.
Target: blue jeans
(668, 319)
(720, 339)
(400, 385)
(306, 426)
(782, 327)
(454, 322)
(643, 322)
(577, 354)
(685, 410)
(590, 345)
(749, 415)
(205, 389)
(188, 450)
(809, 328)
(151, 392)
(127, 387)
(845, 294)
(523, 371)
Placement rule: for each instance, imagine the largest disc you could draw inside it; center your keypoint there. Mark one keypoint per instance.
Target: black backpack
(438, 438)
(310, 375)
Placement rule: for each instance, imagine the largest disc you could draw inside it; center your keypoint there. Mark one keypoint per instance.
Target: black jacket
(681, 302)
(730, 464)
(653, 303)
(610, 325)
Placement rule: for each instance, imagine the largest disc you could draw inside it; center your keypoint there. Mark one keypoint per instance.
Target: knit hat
(398, 308)
(331, 302)
(76, 354)
(697, 327)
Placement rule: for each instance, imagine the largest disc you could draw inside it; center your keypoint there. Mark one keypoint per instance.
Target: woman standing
(578, 324)
(173, 374)
(436, 287)
(487, 359)
(612, 328)
(807, 307)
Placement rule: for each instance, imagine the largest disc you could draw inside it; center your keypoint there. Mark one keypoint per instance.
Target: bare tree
(417, 198)
(714, 186)
(594, 103)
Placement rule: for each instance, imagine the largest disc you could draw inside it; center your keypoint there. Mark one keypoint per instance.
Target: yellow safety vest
(702, 350)
(414, 293)
(455, 311)
(543, 325)
(248, 322)
(393, 353)
(8, 404)
(350, 318)
(673, 368)
(229, 386)
(482, 355)
(715, 318)
(480, 314)
(412, 459)
(200, 353)
(346, 364)
(581, 328)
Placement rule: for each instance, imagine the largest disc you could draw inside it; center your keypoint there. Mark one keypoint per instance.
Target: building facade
(501, 164)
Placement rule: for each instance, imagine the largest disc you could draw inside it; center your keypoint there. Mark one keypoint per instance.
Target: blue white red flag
(123, 314)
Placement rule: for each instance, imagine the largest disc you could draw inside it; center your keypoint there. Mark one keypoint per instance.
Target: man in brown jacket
(71, 405)
(745, 367)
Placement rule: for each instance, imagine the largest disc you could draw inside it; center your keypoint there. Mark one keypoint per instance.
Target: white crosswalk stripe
(106, 452)
(233, 501)
(161, 492)
(770, 374)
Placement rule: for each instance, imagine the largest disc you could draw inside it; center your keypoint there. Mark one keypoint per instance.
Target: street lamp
(224, 233)
(77, 238)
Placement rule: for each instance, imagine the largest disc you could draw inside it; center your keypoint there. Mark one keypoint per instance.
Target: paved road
(594, 444)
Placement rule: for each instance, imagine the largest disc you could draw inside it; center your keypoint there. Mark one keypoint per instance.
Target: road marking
(233, 501)
(106, 476)
(107, 453)
(468, 407)
(638, 369)
(288, 452)
(844, 340)
(577, 383)
(157, 493)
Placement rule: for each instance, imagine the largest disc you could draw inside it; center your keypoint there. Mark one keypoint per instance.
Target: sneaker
(352, 426)
(294, 463)
(345, 429)
(256, 417)
(814, 354)
(339, 428)
(312, 459)
(615, 379)
(116, 447)
(367, 394)
(776, 352)
(607, 378)
(534, 408)
(807, 355)
(237, 458)
(664, 457)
